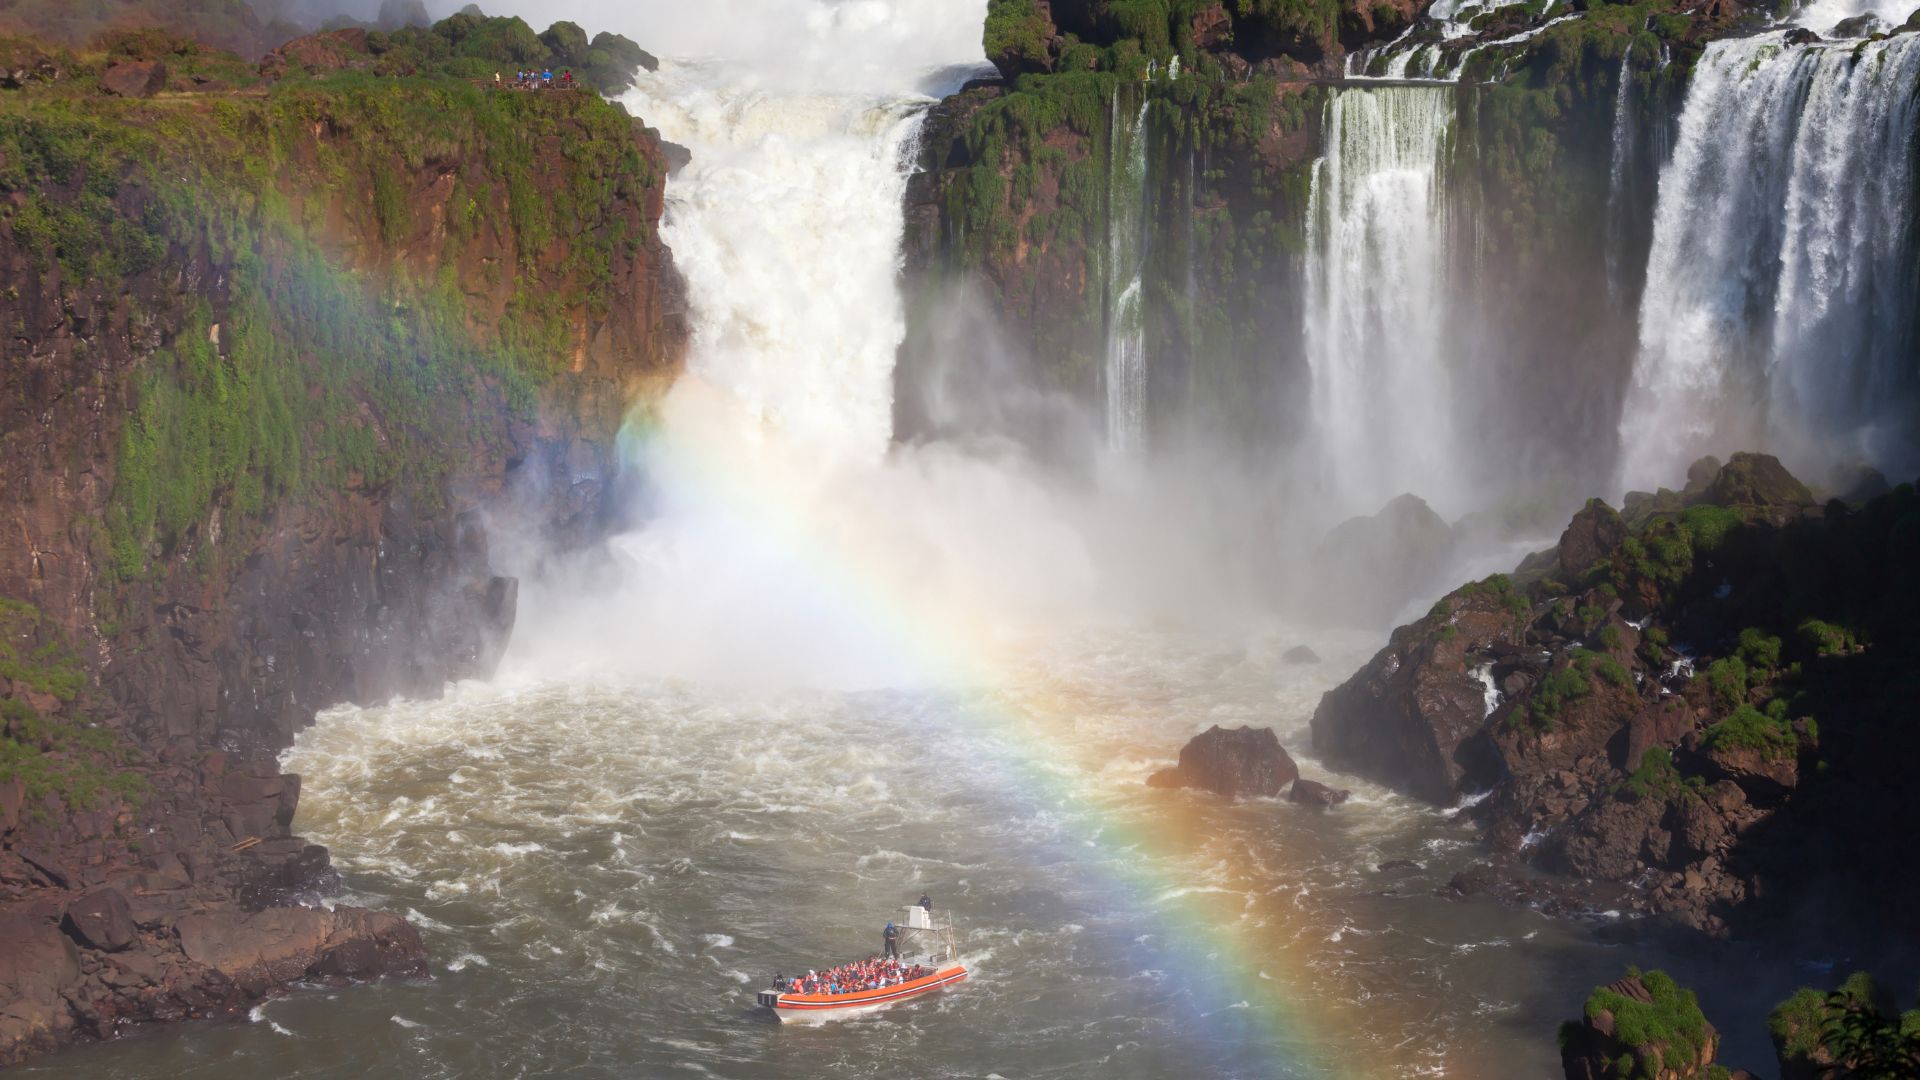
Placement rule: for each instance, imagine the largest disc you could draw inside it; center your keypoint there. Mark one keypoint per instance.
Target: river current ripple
(606, 872)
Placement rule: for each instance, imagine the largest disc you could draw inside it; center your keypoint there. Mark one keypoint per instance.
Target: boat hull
(791, 1007)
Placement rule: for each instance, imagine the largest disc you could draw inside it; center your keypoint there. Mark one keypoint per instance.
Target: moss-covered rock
(1642, 1027)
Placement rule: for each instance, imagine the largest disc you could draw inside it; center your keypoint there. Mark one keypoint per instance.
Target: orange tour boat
(875, 983)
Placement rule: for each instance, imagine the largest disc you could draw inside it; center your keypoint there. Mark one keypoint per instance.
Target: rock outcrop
(1243, 761)
(1315, 794)
(1370, 568)
(1640, 1026)
(135, 78)
(1413, 718)
(1705, 782)
(245, 481)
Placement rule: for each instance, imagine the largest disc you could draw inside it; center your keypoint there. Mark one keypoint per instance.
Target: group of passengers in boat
(873, 973)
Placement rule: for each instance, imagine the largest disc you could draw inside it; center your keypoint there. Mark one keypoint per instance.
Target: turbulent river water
(605, 872)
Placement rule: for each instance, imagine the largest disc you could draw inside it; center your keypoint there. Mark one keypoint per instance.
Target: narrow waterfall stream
(1126, 368)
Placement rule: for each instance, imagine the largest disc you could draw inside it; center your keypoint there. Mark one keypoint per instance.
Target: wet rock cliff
(281, 356)
(1701, 697)
(1162, 218)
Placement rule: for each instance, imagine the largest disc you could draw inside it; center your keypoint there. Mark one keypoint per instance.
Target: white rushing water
(787, 228)
(1774, 315)
(1619, 161)
(1126, 371)
(1377, 299)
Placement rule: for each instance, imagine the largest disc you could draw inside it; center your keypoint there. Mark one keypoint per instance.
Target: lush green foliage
(1825, 638)
(81, 765)
(1856, 1026)
(1612, 671)
(1709, 525)
(1656, 778)
(32, 658)
(1016, 30)
(1750, 728)
(314, 382)
(1667, 1033)
(1760, 650)
(478, 47)
(1561, 687)
(1727, 679)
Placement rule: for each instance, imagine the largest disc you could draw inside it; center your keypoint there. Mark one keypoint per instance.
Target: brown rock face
(1411, 717)
(1590, 537)
(1246, 761)
(135, 78)
(348, 591)
(1370, 567)
(279, 945)
(1212, 28)
(1757, 480)
(335, 50)
(101, 920)
(37, 963)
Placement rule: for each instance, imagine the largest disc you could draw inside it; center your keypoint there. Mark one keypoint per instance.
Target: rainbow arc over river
(1223, 945)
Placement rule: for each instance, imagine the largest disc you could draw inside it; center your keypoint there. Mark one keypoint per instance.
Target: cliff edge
(282, 351)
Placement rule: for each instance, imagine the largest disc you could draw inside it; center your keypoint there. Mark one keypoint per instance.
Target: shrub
(1727, 678)
(1826, 639)
(1760, 650)
(1856, 1027)
(1750, 728)
(1710, 525)
(1015, 29)
(1558, 690)
(1610, 637)
(1656, 778)
(1668, 1033)
(1612, 671)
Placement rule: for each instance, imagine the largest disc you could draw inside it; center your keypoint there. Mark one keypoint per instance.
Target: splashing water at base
(606, 871)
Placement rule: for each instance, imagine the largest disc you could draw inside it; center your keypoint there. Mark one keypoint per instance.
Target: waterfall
(1376, 299)
(795, 307)
(1617, 171)
(1777, 313)
(1126, 370)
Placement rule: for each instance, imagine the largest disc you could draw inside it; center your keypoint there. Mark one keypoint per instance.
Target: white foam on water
(1776, 264)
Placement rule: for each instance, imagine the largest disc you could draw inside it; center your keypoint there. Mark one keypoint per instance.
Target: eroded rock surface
(1244, 761)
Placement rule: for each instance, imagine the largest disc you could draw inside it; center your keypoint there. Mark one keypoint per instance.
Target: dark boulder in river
(1246, 761)
(1313, 793)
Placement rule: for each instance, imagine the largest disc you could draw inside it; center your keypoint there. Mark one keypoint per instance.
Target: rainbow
(1227, 948)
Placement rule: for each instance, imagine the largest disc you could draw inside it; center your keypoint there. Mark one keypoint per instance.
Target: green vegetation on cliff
(326, 369)
(48, 755)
